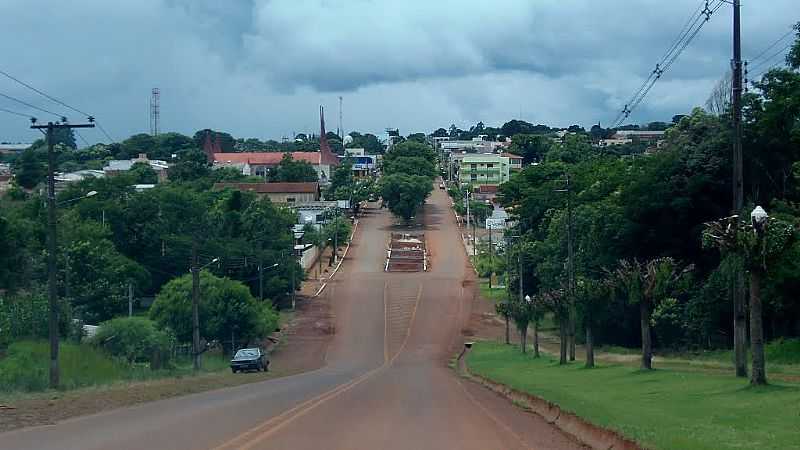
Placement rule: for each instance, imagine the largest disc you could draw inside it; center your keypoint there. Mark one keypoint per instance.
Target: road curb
(585, 432)
(341, 260)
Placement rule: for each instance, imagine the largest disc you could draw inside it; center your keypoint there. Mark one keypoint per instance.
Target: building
(260, 163)
(118, 166)
(288, 193)
(484, 170)
(476, 145)
(5, 182)
(515, 161)
(64, 179)
(6, 148)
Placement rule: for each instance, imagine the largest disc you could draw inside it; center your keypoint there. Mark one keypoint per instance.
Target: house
(515, 161)
(63, 179)
(260, 163)
(288, 193)
(7, 148)
(118, 166)
(484, 170)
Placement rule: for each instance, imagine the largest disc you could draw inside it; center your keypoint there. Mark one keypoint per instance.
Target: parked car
(250, 359)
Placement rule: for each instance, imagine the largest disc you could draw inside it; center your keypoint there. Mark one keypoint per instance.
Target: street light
(72, 200)
(261, 279)
(759, 218)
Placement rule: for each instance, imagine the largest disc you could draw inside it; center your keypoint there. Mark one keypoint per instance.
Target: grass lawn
(25, 367)
(661, 409)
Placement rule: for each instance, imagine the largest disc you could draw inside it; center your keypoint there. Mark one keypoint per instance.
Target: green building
(484, 170)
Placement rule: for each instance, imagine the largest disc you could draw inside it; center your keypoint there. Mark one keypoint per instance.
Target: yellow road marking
(256, 435)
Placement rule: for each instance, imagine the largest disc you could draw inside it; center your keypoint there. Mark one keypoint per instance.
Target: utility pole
(261, 281)
(195, 309)
(491, 254)
(52, 287)
(570, 268)
(521, 294)
(739, 306)
(130, 299)
(508, 283)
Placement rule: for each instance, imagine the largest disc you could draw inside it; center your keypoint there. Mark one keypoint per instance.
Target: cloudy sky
(260, 68)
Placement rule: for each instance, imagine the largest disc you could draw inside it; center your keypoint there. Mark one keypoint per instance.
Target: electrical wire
(49, 97)
(771, 46)
(22, 102)
(696, 22)
(17, 113)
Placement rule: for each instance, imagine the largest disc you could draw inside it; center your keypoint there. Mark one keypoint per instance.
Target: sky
(261, 68)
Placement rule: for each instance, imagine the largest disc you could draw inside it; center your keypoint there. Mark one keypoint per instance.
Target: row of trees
(642, 275)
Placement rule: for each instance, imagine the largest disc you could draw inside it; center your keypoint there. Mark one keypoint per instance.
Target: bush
(132, 338)
(225, 306)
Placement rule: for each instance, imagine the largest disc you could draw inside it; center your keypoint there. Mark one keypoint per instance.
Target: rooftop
(271, 188)
(266, 158)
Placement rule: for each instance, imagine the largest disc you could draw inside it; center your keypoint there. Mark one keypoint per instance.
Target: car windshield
(246, 353)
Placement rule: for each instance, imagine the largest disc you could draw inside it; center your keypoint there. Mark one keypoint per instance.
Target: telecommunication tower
(155, 113)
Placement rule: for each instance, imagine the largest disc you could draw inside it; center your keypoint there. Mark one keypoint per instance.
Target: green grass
(661, 409)
(25, 367)
(493, 294)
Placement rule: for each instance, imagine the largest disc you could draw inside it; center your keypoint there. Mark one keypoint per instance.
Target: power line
(771, 46)
(103, 130)
(49, 97)
(22, 102)
(774, 55)
(690, 30)
(82, 139)
(17, 113)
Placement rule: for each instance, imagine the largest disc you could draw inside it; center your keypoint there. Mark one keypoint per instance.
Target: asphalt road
(386, 384)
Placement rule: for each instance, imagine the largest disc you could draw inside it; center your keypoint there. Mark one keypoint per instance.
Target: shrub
(784, 351)
(132, 338)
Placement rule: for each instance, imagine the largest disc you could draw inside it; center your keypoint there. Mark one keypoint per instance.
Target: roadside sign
(495, 224)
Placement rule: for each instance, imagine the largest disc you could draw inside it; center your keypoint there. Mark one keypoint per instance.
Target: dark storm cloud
(260, 67)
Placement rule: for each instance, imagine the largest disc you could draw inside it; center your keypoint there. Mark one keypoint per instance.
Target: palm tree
(645, 284)
(557, 302)
(760, 243)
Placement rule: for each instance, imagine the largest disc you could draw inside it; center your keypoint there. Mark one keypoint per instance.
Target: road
(385, 385)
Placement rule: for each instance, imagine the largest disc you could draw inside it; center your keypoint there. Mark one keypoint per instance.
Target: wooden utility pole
(572, 313)
(738, 288)
(52, 247)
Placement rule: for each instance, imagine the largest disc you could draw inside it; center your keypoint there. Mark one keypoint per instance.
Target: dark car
(250, 359)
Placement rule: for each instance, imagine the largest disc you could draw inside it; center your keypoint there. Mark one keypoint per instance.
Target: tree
(415, 165)
(291, 171)
(592, 297)
(29, 170)
(557, 302)
(646, 284)
(142, 173)
(405, 194)
(760, 244)
(440, 132)
(226, 306)
(531, 147)
(719, 101)
(192, 165)
(417, 137)
(411, 149)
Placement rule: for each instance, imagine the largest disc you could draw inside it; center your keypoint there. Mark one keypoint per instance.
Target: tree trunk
(535, 339)
(523, 333)
(589, 346)
(647, 349)
(739, 325)
(508, 331)
(562, 328)
(759, 374)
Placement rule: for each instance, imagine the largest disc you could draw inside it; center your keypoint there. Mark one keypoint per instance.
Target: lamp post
(532, 310)
(759, 220)
(261, 279)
